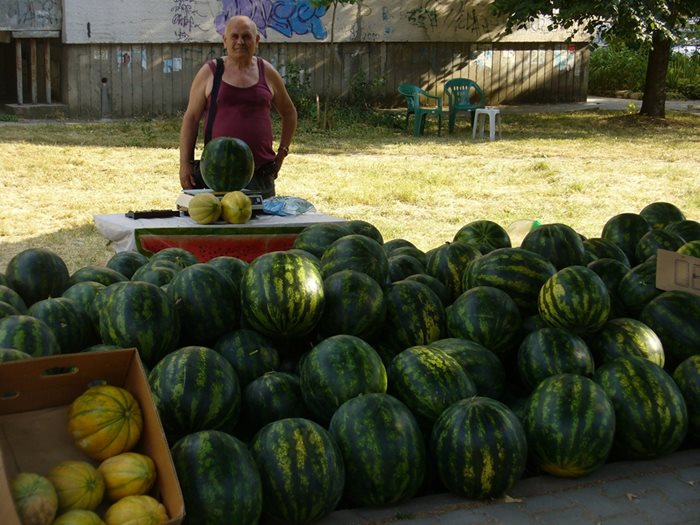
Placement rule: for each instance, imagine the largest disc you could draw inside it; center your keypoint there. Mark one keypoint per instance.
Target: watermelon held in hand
(227, 164)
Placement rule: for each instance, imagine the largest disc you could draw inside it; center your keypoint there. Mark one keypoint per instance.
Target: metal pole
(18, 68)
(47, 69)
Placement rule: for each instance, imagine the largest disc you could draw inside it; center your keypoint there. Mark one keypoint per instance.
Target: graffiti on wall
(20, 15)
(185, 18)
(459, 17)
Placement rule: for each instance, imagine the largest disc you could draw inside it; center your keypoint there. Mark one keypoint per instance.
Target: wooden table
(262, 234)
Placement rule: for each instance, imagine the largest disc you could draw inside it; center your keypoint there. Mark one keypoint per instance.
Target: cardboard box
(34, 419)
(675, 271)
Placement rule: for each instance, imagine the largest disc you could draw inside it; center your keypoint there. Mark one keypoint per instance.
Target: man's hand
(186, 179)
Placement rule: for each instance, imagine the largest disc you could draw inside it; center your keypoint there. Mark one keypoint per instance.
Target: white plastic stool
(494, 116)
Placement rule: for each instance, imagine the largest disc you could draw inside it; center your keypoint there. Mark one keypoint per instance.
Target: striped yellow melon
(127, 474)
(204, 208)
(78, 484)
(236, 207)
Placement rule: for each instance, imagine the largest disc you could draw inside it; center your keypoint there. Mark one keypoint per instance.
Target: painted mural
(30, 15)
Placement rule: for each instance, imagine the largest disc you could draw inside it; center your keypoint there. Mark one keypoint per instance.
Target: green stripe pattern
(356, 252)
(558, 243)
(575, 299)
(302, 470)
(650, 412)
(29, 335)
(479, 447)
(570, 425)
(272, 396)
(282, 295)
(624, 336)
(219, 479)
(638, 286)
(687, 377)
(447, 263)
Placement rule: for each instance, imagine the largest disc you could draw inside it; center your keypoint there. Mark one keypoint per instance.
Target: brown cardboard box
(675, 271)
(34, 414)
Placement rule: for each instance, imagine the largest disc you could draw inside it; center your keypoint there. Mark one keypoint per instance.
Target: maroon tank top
(244, 113)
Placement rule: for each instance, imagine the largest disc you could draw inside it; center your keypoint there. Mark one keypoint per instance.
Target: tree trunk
(654, 101)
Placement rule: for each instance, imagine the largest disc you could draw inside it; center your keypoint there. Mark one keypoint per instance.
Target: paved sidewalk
(665, 491)
(601, 104)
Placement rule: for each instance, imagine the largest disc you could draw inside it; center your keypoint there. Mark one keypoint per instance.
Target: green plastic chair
(415, 100)
(463, 95)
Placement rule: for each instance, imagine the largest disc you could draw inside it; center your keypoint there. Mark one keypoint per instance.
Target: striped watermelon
(354, 305)
(302, 470)
(337, 369)
(518, 272)
(84, 297)
(179, 256)
(155, 273)
(657, 240)
(688, 229)
(7, 309)
(29, 335)
(208, 303)
(575, 299)
(367, 229)
(570, 425)
(126, 262)
(36, 274)
(315, 238)
(69, 324)
(485, 315)
(250, 353)
(232, 267)
(479, 448)
(195, 389)
(271, 397)
(625, 230)
(11, 297)
(140, 315)
(675, 317)
(660, 214)
(414, 315)
(404, 265)
(97, 274)
(282, 295)
(427, 380)
(382, 447)
(691, 248)
(435, 285)
(356, 252)
(624, 337)
(412, 251)
(484, 234)
(227, 164)
(219, 479)
(638, 287)
(552, 351)
(447, 263)
(651, 415)
(611, 272)
(687, 377)
(599, 248)
(481, 364)
(10, 354)
(558, 243)
(394, 244)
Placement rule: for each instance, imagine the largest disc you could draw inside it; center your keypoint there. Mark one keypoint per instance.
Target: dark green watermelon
(402, 266)
(219, 479)
(126, 262)
(657, 240)
(484, 234)
(435, 285)
(688, 229)
(575, 299)
(179, 256)
(414, 252)
(611, 272)
(638, 287)
(395, 244)
(570, 425)
(315, 238)
(367, 229)
(282, 295)
(232, 267)
(691, 248)
(660, 214)
(10, 354)
(600, 248)
(271, 397)
(354, 305)
(195, 389)
(560, 244)
(356, 252)
(11, 297)
(7, 309)
(29, 335)
(382, 447)
(84, 296)
(447, 263)
(71, 326)
(687, 377)
(337, 369)
(624, 337)
(98, 274)
(650, 413)
(479, 448)
(251, 354)
(625, 230)
(157, 274)
(36, 274)
(227, 164)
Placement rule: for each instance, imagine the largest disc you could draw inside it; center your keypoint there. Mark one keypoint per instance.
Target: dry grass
(578, 169)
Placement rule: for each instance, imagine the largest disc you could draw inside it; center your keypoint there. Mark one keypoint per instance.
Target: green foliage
(8, 117)
(299, 89)
(365, 92)
(684, 75)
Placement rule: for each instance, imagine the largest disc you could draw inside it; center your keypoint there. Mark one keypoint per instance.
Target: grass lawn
(575, 168)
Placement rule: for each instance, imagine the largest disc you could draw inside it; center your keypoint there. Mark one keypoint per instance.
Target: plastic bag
(285, 206)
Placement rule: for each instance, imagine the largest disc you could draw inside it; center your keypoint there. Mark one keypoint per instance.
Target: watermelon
(283, 295)
(84, 296)
(479, 447)
(10, 354)
(126, 262)
(181, 257)
(570, 425)
(675, 317)
(98, 274)
(402, 266)
(140, 315)
(71, 326)
(657, 240)
(155, 273)
(484, 234)
(367, 229)
(227, 164)
(36, 274)
(315, 238)
(625, 230)
(691, 248)
(337, 369)
(518, 272)
(624, 337)
(485, 315)
(611, 272)
(195, 389)
(208, 303)
(688, 229)
(414, 252)
(356, 252)
(232, 267)
(427, 380)
(687, 377)
(414, 315)
(395, 244)
(29, 335)
(435, 285)
(558, 243)
(660, 214)
(302, 470)
(382, 447)
(575, 299)
(599, 248)
(271, 397)
(308, 255)
(251, 354)
(9, 296)
(354, 305)
(651, 415)
(552, 351)
(638, 286)
(219, 479)
(481, 364)
(448, 261)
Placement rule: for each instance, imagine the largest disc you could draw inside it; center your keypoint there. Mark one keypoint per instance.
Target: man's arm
(285, 107)
(190, 124)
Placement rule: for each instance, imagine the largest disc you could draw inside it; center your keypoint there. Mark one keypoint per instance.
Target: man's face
(241, 38)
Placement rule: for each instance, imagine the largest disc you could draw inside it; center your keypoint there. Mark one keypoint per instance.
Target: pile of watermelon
(351, 371)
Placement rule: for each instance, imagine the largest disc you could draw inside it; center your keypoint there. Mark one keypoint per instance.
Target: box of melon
(81, 441)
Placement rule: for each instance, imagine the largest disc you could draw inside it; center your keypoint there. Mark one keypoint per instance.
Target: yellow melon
(135, 510)
(78, 485)
(127, 474)
(236, 207)
(204, 208)
(35, 498)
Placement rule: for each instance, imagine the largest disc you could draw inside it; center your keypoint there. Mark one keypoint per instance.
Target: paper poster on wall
(561, 60)
(144, 59)
(123, 59)
(483, 59)
(167, 65)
